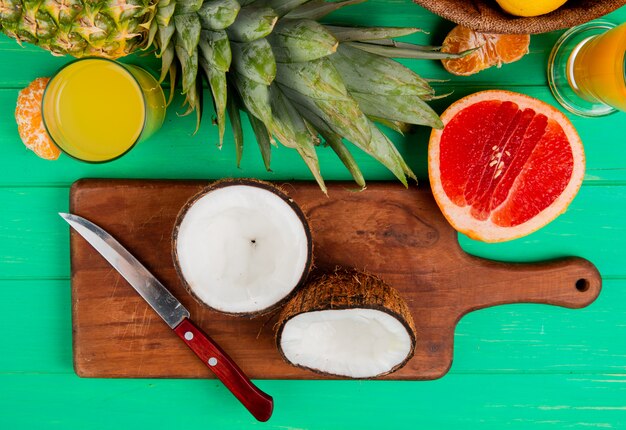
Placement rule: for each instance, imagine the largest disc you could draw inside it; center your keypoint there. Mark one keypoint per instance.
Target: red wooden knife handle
(256, 401)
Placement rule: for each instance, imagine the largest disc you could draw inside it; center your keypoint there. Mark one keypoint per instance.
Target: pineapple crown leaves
(298, 79)
(295, 78)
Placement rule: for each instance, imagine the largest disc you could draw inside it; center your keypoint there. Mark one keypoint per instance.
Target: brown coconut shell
(347, 289)
(253, 183)
(488, 17)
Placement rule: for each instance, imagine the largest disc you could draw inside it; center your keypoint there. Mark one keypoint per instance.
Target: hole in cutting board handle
(582, 285)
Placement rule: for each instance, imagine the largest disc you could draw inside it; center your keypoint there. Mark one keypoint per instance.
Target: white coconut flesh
(241, 248)
(356, 343)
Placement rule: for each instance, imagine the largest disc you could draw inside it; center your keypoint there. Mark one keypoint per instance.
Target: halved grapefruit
(504, 165)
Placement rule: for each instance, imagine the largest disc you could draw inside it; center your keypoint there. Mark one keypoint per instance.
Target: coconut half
(348, 324)
(242, 247)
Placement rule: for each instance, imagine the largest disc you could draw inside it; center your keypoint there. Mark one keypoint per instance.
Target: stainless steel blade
(149, 287)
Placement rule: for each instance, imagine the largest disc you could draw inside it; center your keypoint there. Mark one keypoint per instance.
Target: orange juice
(596, 68)
(96, 110)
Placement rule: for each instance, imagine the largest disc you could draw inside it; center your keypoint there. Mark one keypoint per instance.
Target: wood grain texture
(35, 242)
(515, 367)
(392, 232)
(513, 339)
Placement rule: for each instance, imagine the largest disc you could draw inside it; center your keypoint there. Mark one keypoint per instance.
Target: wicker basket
(487, 16)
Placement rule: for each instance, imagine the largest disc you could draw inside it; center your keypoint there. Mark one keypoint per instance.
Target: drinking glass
(586, 69)
(96, 110)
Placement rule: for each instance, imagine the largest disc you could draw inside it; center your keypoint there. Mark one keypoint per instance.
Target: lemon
(530, 8)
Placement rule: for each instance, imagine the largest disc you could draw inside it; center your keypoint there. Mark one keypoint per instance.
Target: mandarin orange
(30, 122)
(493, 50)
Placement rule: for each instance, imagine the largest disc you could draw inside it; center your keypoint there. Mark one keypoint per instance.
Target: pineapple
(295, 78)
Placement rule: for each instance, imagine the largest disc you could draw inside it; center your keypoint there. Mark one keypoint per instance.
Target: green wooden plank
(174, 152)
(604, 152)
(460, 401)
(20, 65)
(526, 338)
(41, 308)
(516, 339)
(34, 240)
(530, 70)
(592, 227)
(512, 339)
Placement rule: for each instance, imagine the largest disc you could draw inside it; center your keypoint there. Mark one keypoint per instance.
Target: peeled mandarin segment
(512, 47)
(494, 49)
(30, 122)
(458, 40)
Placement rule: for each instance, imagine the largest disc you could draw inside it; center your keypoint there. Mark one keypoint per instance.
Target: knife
(176, 316)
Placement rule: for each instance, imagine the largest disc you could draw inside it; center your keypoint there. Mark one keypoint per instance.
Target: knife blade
(259, 404)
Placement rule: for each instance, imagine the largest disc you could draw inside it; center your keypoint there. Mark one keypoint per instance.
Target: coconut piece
(242, 247)
(349, 324)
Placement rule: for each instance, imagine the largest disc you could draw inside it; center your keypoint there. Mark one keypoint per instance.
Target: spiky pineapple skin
(80, 28)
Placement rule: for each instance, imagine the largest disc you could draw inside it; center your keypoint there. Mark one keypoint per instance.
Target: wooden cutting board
(396, 233)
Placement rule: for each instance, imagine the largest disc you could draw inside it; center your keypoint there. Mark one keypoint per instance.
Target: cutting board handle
(569, 282)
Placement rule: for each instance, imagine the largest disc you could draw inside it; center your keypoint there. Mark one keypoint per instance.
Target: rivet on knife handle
(256, 401)
(174, 314)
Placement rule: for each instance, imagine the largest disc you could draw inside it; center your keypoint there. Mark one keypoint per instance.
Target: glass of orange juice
(586, 69)
(96, 110)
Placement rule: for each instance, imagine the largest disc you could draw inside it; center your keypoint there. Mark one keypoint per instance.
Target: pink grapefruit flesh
(504, 165)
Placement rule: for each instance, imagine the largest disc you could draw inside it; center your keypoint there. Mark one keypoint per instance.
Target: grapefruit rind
(487, 231)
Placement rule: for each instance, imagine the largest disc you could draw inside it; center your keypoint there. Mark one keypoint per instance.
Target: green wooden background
(516, 366)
